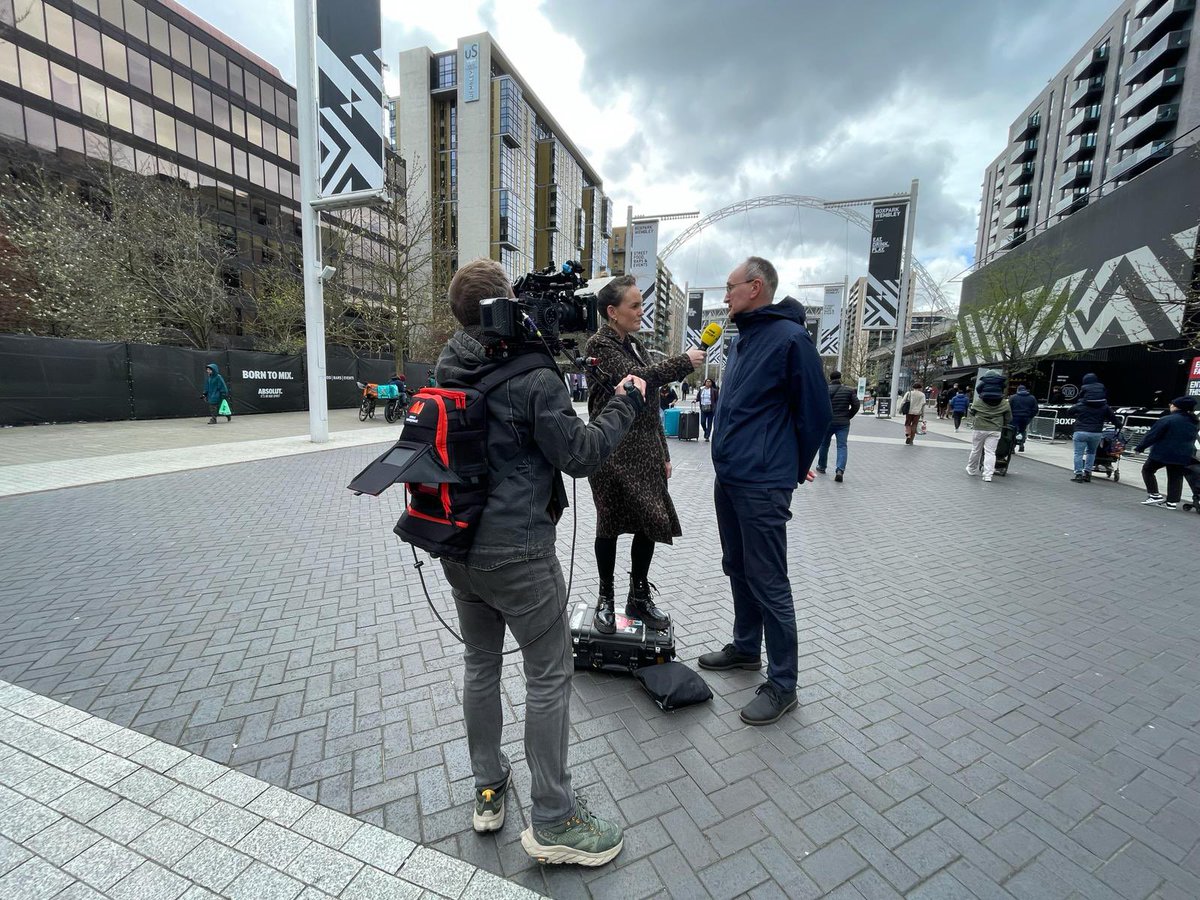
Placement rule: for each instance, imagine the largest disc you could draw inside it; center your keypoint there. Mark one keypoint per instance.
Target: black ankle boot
(640, 605)
(605, 619)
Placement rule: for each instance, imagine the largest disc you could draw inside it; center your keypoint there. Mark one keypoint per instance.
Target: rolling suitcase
(633, 646)
(671, 422)
(689, 425)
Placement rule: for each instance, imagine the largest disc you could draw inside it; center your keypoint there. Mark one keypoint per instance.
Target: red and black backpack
(442, 460)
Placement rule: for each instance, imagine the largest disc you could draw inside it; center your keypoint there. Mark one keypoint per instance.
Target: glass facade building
(149, 87)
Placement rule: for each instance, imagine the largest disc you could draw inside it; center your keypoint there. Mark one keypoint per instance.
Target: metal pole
(844, 333)
(905, 278)
(310, 222)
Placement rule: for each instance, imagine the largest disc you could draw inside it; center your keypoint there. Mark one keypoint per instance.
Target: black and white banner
(695, 318)
(883, 267)
(349, 96)
(829, 337)
(642, 250)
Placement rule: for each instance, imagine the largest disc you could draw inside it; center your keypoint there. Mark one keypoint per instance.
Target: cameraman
(512, 578)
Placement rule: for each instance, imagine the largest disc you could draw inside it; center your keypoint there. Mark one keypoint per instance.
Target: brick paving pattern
(999, 682)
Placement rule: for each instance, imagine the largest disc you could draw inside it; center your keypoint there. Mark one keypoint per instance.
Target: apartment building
(1112, 112)
(508, 181)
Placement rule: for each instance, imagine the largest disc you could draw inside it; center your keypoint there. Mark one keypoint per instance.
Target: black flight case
(633, 646)
(689, 425)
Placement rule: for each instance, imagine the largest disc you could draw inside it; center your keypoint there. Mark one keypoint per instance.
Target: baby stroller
(1108, 454)
(1004, 448)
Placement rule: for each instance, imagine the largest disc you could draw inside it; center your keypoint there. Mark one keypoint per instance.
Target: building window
(12, 123)
(446, 66)
(70, 137)
(110, 11)
(35, 73)
(217, 69)
(139, 71)
(118, 110)
(143, 120)
(180, 46)
(87, 42)
(199, 57)
(235, 80)
(186, 136)
(160, 38)
(114, 58)
(135, 20)
(161, 76)
(252, 93)
(39, 127)
(65, 85)
(33, 23)
(183, 92)
(164, 130)
(58, 30)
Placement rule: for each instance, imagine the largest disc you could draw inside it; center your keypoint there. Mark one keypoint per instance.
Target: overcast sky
(697, 104)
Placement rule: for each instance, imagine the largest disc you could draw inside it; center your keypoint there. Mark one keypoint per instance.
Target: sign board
(471, 72)
(829, 335)
(643, 265)
(883, 267)
(883, 408)
(1193, 386)
(695, 317)
(350, 122)
(862, 387)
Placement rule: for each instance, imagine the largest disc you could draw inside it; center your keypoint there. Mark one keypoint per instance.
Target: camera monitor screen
(399, 456)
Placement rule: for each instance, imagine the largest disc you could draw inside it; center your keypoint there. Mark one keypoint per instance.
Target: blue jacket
(1024, 407)
(959, 402)
(1090, 415)
(1092, 389)
(214, 386)
(774, 409)
(1172, 439)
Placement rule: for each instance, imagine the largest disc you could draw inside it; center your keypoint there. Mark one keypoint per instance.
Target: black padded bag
(672, 685)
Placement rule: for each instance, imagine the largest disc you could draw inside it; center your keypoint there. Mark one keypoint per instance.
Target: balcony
(1032, 124)
(1075, 174)
(1074, 201)
(1143, 8)
(1140, 160)
(1148, 125)
(1151, 93)
(1018, 216)
(1173, 12)
(1020, 174)
(1083, 146)
(1024, 151)
(1086, 89)
(1019, 196)
(1169, 48)
(1084, 119)
(1091, 64)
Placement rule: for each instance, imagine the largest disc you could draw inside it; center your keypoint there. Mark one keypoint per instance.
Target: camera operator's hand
(696, 355)
(639, 384)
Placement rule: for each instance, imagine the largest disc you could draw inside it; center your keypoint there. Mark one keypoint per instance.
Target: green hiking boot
(584, 839)
(489, 807)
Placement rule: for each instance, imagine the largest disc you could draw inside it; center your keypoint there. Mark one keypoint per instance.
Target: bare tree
(1020, 310)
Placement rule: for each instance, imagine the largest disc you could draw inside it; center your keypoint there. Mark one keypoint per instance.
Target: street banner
(883, 268)
(349, 59)
(695, 317)
(471, 72)
(1193, 387)
(862, 386)
(643, 265)
(829, 337)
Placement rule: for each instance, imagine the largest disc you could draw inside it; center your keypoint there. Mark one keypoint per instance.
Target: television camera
(545, 309)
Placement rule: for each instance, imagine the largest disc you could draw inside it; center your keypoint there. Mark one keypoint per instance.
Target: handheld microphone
(710, 335)
(587, 362)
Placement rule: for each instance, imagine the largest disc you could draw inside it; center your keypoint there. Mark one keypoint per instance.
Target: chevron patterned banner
(695, 315)
(642, 253)
(829, 337)
(349, 96)
(1122, 267)
(883, 267)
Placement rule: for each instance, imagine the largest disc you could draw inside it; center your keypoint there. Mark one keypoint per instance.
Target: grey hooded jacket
(530, 416)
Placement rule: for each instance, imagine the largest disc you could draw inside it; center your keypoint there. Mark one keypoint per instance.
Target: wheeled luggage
(633, 646)
(689, 425)
(1004, 448)
(671, 422)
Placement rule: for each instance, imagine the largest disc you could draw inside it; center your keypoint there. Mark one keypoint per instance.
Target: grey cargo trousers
(525, 596)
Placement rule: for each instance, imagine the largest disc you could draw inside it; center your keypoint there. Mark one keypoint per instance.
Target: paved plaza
(1000, 683)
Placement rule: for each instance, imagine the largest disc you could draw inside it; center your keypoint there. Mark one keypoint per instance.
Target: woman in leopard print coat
(630, 489)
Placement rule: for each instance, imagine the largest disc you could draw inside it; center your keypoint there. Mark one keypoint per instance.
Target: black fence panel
(417, 375)
(266, 382)
(60, 380)
(341, 373)
(376, 370)
(168, 381)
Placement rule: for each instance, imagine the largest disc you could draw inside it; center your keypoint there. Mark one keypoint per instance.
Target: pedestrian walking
(912, 407)
(990, 412)
(666, 399)
(943, 401)
(770, 422)
(215, 393)
(1024, 409)
(1172, 444)
(1090, 413)
(707, 397)
(959, 404)
(844, 401)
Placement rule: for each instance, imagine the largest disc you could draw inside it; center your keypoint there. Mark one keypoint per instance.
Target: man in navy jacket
(773, 415)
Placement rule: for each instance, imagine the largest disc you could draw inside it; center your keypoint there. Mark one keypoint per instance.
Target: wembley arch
(932, 291)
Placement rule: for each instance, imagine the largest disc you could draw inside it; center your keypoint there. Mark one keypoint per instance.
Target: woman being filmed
(630, 489)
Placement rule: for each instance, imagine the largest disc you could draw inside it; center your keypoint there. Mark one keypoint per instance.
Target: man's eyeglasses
(729, 287)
